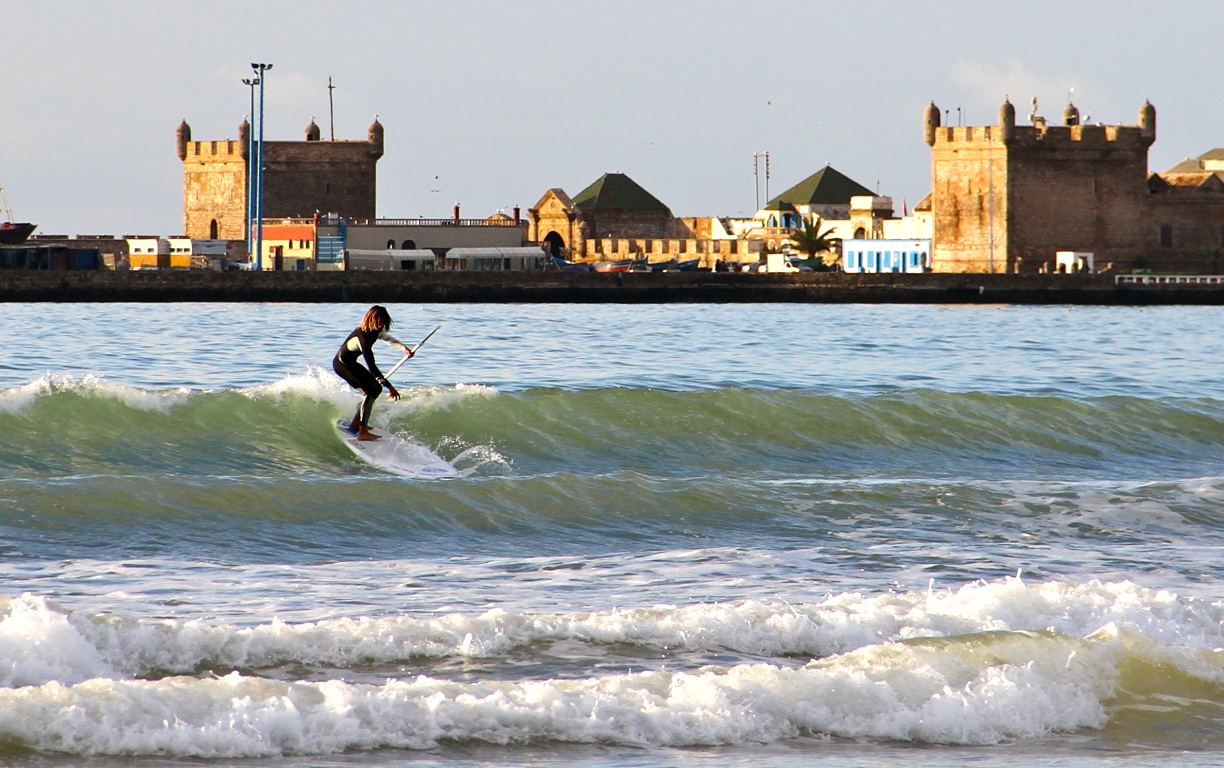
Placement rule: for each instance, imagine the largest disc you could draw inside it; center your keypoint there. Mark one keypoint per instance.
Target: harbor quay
(625, 288)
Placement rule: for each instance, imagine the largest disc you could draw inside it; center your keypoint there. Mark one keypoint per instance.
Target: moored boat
(564, 265)
(623, 265)
(13, 232)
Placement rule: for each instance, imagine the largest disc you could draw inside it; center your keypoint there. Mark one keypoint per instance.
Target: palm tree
(810, 240)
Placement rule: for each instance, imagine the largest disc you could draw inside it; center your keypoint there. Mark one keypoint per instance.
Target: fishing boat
(564, 265)
(13, 232)
(646, 265)
(624, 265)
(689, 265)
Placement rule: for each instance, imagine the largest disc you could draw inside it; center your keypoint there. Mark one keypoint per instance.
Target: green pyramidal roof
(616, 191)
(828, 186)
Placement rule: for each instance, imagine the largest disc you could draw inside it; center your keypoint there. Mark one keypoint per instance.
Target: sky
(489, 105)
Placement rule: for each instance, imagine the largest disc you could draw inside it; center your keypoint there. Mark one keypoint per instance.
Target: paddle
(406, 358)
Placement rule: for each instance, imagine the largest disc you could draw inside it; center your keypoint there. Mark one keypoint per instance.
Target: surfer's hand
(409, 352)
(392, 392)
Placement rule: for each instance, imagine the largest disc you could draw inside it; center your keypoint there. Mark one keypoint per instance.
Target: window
(1166, 235)
(390, 245)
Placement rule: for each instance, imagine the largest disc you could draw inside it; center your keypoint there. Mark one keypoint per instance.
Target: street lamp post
(251, 82)
(756, 173)
(261, 70)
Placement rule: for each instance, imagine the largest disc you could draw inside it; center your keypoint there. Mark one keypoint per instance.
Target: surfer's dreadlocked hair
(377, 318)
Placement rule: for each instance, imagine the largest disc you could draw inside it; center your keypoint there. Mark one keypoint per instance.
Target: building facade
(613, 207)
(880, 255)
(1009, 198)
(301, 179)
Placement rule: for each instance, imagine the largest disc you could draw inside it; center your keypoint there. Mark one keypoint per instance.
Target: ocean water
(692, 535)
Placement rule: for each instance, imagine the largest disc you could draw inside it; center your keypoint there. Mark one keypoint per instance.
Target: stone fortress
(301, 179)
(1007, 197)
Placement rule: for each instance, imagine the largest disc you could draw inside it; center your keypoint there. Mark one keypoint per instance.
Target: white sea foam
(315, 383)
(161, 401)
(45, 643)
(978, 691)
(17, 399)
(39, 644)
(438, 398)
(981, 664)
(322, 384)
(14, 400)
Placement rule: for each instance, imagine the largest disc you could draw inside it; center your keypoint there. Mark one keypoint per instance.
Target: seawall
(563, 287)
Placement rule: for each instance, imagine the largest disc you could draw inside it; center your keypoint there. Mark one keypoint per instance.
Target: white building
(389, 259)
(884, 255)
(149, 253)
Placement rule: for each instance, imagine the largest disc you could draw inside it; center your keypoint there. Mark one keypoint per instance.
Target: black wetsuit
(361, 344)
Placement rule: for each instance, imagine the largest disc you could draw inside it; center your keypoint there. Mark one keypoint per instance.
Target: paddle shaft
(406, 358)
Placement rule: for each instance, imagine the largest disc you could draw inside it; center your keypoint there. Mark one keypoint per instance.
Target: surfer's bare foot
(365, 434)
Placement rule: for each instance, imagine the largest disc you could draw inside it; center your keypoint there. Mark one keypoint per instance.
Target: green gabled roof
(828, 186)
(616, 191)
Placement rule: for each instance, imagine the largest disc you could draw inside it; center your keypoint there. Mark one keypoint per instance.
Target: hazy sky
(491, 104)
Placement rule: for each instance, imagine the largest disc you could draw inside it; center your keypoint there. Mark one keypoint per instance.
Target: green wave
(286, 430)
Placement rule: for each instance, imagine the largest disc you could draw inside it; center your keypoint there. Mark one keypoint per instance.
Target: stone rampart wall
(302, 178)
(569, 287)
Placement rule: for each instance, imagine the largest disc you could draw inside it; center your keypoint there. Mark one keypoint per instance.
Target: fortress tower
(1006, 198)
(301, 178)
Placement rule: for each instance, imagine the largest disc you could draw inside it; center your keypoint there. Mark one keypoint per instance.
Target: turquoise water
(692, 535)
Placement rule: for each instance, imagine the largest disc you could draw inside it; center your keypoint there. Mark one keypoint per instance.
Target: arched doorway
(212, 230)
(409, 245)
(556, 244)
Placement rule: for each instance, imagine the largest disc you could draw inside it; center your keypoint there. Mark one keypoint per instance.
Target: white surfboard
(396, 455)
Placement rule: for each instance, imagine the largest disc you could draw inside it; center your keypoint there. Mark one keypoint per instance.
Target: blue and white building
(886, 255)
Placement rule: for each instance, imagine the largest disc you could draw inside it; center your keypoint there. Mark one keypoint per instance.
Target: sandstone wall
(214, 190)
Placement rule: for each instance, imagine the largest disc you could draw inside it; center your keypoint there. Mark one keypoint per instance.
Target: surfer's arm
(367, 354)
(401, 346)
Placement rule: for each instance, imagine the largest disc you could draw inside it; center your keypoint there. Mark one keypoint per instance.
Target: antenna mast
(5, 203)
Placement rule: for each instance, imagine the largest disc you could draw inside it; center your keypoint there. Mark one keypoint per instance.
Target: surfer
(360, 343)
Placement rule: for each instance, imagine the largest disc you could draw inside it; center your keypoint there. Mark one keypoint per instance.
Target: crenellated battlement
(1044, 136)
(1070, 135)
(216, 149)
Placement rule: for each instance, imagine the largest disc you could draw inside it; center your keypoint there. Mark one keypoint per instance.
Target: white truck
(776, 262)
